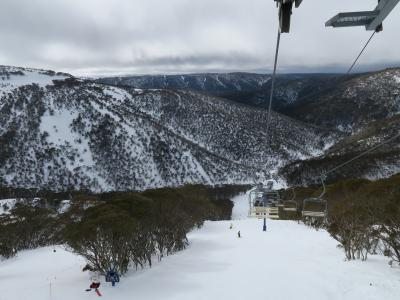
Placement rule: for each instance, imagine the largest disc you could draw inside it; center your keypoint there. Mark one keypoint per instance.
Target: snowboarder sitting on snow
(230, 227)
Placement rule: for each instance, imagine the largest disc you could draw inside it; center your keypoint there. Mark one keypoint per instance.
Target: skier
(239, 234)
(231, 226)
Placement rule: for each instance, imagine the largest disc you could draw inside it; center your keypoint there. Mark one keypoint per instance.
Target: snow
(58, 126)
(116, 93)
(194, 164)
(6, 205)
(289, 261)
(30, 76)
(64, 206)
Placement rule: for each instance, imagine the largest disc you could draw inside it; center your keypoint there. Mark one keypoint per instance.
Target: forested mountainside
(343, 102)
(367, 108)
(353, 103)
(245, 88)
(362, 108)
(58, 132)
(380, 163)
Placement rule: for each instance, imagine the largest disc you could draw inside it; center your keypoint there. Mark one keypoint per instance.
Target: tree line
(363, 216)
(119, 230)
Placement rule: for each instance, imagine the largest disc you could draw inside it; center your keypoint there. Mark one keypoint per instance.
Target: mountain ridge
(66, 133)
(61, 132)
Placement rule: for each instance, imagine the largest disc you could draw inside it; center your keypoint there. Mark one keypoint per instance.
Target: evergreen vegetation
(363, 216)
(116, 230)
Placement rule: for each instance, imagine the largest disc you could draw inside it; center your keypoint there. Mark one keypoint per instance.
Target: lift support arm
(372, 20)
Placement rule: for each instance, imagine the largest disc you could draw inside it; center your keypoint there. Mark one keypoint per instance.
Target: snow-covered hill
(290, 261)
(381, 163)
(62, 133)
(58, 132)
(212, 83)
(6, 205)
(353, 103)
(361, 109)
(15, 77)
(246, 88)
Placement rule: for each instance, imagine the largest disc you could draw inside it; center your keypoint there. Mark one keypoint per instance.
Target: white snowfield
(290, 261)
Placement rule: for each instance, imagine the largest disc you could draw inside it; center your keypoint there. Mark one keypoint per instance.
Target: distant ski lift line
(396, 136)
(370, 19)
(325, 174)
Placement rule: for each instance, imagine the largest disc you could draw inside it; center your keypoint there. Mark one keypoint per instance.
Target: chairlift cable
(362, 51)
(361, 155)
(341, 77)
(324, 175)
(347, 73)
(273, 79)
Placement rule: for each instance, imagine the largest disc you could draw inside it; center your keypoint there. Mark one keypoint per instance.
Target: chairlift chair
(314, 207)
(264, 203)
(291, 205)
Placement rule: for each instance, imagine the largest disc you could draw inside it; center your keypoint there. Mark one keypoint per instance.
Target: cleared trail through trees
(289, 261)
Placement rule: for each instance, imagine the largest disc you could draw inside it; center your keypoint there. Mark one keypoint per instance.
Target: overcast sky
(102, 37)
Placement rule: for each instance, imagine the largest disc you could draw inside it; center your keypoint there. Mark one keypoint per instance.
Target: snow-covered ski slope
(290, 261)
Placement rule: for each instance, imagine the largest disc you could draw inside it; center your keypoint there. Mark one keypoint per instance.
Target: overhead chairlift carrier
(291, 205)
(372, 20)
(264, 202)
(285, 13)
(316, 207)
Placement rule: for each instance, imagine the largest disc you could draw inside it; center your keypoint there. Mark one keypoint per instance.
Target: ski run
(289, 261)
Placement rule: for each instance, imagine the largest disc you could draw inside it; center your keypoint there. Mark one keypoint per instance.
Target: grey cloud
(92, 37)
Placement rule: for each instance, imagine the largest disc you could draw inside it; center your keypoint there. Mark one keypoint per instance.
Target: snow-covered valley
(289, 261)
(62, 132)
(59, 132)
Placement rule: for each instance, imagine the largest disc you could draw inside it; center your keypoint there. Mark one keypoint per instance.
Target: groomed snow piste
(290, 261)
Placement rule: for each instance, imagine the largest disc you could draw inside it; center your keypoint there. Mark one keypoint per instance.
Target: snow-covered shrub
(27, 227)
(128, 229)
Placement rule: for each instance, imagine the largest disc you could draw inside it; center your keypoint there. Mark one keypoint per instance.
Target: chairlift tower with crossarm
(372, 20)
(264, 202)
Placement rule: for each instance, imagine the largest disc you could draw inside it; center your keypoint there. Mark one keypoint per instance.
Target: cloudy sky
(102, 37)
